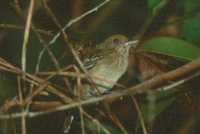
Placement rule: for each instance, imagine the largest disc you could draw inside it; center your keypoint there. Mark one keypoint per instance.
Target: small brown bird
(108, 61)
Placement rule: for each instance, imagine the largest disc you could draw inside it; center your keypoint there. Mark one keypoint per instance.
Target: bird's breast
(109, 70)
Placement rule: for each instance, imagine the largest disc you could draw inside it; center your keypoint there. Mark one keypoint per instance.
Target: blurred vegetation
(134, 18)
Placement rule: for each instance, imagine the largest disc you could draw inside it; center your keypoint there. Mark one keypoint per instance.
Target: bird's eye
(116, 40)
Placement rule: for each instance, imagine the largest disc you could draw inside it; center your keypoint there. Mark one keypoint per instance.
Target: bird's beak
(130, 43)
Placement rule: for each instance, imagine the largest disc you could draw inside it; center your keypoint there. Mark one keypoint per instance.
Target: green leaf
(172, 47)
(191, 29)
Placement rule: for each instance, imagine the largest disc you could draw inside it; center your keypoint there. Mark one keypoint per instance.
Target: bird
(106, 64)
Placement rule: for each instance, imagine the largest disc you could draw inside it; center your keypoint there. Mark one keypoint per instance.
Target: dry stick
(18, 27)
(11, 68)
(45, 105)
(23, 118)
(53, 58)
(95, 121)
(113, 118)
(24, 54)
(31, 26)
(36, 80)
(82, 119)
(119, 124)
(79, 99)
(21, 13)
(82, 75)
(26, 36)
(45, 83)
(65, 37)
(39, 82)
(77, 19)
(66, 127)
(175, 84)
(42, 84)
(68, 25)
(66, 40)
(139, 114)
(162, 78)
(143, 87)
(41, 40)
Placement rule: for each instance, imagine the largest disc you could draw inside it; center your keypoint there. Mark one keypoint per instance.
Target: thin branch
(68, 25)
(11, 26)
(26, 35)
(41, 40)
(162, 78)
(66, 40)
(96, 122)
(139, 114)
(23, 118)
(82, 75)
(79, 88)
(65, 27)
(35, 80)
(79, 18)
(182, 81)
(140, 88)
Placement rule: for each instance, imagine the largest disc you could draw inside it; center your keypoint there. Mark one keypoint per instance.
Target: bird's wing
(96, 56)
(91, 61)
